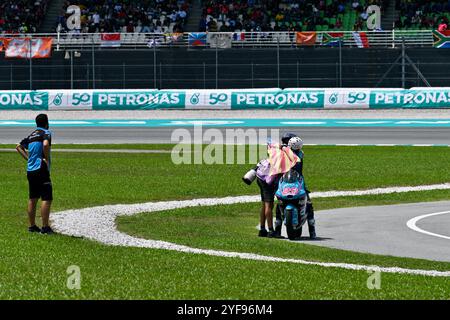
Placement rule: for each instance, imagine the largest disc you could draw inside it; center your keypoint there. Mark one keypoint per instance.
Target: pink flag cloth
(281, 159)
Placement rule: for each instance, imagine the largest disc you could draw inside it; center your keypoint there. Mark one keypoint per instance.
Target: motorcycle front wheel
(293, 234)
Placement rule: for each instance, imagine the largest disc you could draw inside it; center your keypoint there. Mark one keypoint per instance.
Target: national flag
(306, 38)
(197, 39)
(361, 39)
(219, 40)
(239, 36)
(441, 39)
(156, 41)
(173, 37)
(332, 39)
(20, 48)
(110, 40)
(3, 43)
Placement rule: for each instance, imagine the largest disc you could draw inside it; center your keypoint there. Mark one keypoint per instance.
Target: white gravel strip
(98, 223)
(232, 114)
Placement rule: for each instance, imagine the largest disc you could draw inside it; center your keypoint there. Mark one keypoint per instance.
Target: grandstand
(265, 44)
(286, 15)
(22, 16)
(421, 14)
(145, 16)
(162, 16)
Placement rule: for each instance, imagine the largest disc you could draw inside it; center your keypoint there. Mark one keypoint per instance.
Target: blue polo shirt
(34, 143)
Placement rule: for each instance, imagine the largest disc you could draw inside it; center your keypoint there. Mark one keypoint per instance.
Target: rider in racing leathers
(296, 145)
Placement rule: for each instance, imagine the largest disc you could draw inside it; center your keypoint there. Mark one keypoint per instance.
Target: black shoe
(275, 234)
(278, 229)
(47, 230)
(262, 233)
(34, 228)
(312, 234)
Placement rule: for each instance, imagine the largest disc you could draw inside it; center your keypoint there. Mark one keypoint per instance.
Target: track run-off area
(98, 224)
(418, 230)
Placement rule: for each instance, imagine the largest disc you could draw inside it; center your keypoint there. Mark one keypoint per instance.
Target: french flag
(361, 39)
(239, 36)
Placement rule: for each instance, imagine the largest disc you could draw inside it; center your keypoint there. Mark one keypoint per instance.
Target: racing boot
(274, 234)
(312, 229)
(311, 221)
(278, 226)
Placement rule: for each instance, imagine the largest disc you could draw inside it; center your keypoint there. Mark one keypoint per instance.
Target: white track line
(98, 223)
(412, 224)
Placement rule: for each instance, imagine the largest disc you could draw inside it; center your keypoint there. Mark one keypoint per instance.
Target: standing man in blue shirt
(36, 150)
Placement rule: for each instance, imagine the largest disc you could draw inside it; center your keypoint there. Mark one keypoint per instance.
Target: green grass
(104, 146)
(233, 228)
(34, 266)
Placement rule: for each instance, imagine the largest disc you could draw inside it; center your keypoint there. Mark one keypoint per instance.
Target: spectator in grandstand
(283, 15)
(203, 24)
(212, 26)
(22, 15)
(131, 16)
(422, 14)
(358, 25)
(364, 15)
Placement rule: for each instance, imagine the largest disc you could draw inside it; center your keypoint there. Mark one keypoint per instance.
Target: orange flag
(20, 48)
(3, 43)
(306, 38)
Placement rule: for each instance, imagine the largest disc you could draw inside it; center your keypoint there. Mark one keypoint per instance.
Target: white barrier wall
(268, 98)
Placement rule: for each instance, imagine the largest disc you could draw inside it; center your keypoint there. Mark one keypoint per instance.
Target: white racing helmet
(295, 143)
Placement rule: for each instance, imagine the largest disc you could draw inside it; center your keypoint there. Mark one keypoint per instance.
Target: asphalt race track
(428, 126)
(310, 135)
(383, 230)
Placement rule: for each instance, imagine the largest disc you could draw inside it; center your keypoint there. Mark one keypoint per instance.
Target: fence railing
(379, 39)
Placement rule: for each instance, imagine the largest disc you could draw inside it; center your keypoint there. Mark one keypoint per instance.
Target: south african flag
(441, 39)
(332, 39)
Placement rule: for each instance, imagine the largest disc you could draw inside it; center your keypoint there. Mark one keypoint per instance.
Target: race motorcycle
(292, 200)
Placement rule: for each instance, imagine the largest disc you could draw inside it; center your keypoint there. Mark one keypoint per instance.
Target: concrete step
(194, 17)
(49, 24)
(389, 17)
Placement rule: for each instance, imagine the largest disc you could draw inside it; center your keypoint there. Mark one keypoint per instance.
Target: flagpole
(93, 62)
(71, 70)
(403, 63)
(217, 68)
(31, 65)
(278, 62)
(340, 64)
(154, 62)
(58, 30)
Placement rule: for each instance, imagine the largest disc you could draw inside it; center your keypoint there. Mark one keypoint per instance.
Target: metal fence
(380, 39)
(256, 61)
